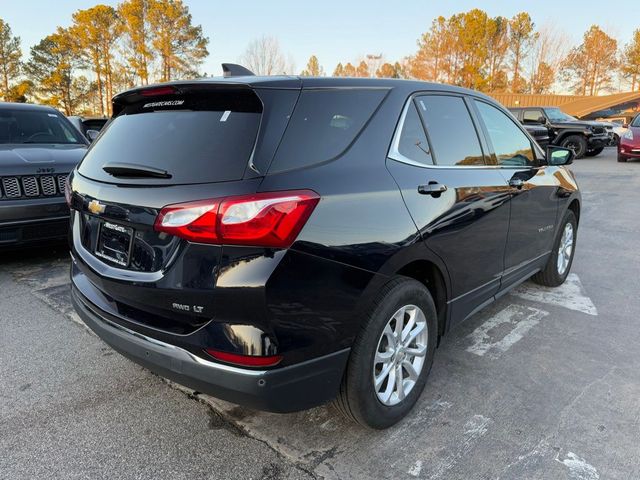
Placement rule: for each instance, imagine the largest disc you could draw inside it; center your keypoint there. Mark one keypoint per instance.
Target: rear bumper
(287, 389)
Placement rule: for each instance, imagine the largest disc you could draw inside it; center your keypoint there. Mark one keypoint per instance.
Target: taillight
(263, 219)
(245, 360)
(67, 191)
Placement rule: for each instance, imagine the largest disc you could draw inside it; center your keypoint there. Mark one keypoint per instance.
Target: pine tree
(96, 31)
(314, 69)
(590, 65)
(51, 68)
(362, 70)
(180, 46)
(521, 38)
(630, 65)
(10, 54)
(134, 15)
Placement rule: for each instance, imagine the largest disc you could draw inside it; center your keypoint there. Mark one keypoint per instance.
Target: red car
(629, 146)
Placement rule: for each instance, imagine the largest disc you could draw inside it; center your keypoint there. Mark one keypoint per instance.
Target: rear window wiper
(135, 171)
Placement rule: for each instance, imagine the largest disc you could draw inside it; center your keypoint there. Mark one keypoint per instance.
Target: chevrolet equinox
(279, 242)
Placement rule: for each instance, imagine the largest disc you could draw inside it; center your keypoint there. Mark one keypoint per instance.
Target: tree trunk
(5, 83)
(100, 93)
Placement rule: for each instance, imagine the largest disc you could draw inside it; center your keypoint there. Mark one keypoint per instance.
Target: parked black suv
(540, 134)
(280, 241)
(38, 148)
(585, 138)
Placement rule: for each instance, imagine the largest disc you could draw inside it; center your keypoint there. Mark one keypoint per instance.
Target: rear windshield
(323, 125)
(36, 127)
(196, 139)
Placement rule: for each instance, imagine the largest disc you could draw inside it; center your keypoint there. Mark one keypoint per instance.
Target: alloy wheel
(400, 355)
(565, 249)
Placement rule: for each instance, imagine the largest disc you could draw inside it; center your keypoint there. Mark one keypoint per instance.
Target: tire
(552, 275)
(622, 158)
(594, 152)
(577, 143)
(358, 399)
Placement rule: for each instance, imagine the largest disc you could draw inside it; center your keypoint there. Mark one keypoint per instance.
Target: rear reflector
(263, 219)
(245, 360)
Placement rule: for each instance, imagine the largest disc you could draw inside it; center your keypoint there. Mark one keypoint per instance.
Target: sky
(334, 31)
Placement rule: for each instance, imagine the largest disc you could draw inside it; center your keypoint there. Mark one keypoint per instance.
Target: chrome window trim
(394, 151)
(395, 155)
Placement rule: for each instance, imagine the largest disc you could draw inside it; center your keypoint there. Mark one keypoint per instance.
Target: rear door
(459, 203)
(534, 189)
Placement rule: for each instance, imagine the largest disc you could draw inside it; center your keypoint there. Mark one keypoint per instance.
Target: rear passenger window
(324, 123)
(412, 143)
(451, 132)
(511, 146)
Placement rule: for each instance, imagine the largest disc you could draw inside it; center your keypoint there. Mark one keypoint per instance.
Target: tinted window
(451, 132)
(636, 122)
(36, 126)
(324, 123)
(511, 145)
(413, 141)
(532, 116)
(205, 140)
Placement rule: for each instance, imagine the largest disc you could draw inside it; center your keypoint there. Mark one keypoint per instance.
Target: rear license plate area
(114, 243)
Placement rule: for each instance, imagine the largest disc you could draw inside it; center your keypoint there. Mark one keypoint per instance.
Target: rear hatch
(166, 145)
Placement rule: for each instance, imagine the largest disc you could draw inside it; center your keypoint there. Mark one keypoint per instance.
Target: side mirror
(92, 134)
(542, 120)
(557, 156)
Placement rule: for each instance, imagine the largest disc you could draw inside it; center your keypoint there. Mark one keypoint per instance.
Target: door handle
(434, 189)
(516, 183)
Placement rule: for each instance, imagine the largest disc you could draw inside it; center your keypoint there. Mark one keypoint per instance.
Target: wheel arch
(574, 206)
(431, 276)
(561, 137)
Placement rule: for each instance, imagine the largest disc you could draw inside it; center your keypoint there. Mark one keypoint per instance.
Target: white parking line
(579, 469)
(499, 333)
(569, 295)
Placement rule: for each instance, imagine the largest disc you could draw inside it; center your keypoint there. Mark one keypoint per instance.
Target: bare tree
(547, 54)
(263, 56)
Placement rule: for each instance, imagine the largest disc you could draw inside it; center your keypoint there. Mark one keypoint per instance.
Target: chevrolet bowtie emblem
(96, 207)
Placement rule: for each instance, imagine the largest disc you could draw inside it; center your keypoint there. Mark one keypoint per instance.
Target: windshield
(636, 121)
(36, 126)
(557, 115)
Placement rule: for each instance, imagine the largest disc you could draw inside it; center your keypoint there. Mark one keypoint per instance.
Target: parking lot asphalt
(543, 384)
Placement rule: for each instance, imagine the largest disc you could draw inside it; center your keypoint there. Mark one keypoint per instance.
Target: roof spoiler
(234, 70)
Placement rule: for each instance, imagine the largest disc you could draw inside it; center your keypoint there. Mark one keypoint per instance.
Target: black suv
(585, 138)
(38, 149)
(280, 241)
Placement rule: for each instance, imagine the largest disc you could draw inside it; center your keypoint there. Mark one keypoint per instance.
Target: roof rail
(234, 70)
